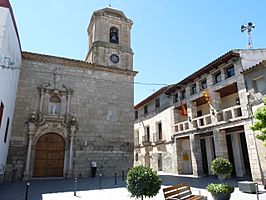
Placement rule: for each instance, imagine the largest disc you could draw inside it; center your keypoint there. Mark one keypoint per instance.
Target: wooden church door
(49, 156)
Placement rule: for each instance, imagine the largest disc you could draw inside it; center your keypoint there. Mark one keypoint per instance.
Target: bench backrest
(180, 191)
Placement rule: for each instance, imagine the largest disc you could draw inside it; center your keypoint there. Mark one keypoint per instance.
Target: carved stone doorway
(49, 156)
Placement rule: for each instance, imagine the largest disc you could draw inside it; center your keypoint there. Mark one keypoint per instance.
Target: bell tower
(109, 34)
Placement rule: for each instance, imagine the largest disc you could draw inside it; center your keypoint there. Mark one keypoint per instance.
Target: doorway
(49, 156)
(245, 155)
(204, 157)
(231, 153)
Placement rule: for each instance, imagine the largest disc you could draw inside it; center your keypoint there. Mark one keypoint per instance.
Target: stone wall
(103, 104)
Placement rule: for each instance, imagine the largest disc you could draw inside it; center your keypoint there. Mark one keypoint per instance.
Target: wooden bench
(181, 192)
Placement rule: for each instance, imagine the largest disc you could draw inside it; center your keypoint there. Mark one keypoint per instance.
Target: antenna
(248, 28)
(110, 3)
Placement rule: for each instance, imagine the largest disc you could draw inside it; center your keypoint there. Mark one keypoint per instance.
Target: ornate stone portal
(53, 116)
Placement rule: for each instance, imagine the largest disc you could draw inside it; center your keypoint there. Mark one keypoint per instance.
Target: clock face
(114, 58)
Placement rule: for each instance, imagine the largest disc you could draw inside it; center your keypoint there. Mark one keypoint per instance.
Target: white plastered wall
(9, 48)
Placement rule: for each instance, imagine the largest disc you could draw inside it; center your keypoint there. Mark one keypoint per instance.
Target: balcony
(136, 142)
(158, 138)
(202, 121)
(229, 114)
(182, 126)
(223, 116)
(146, 140)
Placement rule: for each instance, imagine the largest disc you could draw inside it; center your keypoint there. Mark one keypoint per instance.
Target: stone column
(215, 106)
(196, 160)
(192, 113)
(220, 143)
(243, 96)
(174, 157)
(255, 165)
(70, 164)
(30, 135)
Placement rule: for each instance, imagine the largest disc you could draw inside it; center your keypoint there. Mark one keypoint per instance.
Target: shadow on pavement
(200, 182)
(15, 191)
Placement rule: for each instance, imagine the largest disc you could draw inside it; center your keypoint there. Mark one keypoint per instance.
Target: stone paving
(89, 188)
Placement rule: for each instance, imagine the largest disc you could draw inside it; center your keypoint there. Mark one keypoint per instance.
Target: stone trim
(73, 63)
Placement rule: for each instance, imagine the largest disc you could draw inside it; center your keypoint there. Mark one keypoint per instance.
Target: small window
(136, 114)
(230, 71)
(217, 77)
(114, 35)
(145, 109)
(203, 84)
(1, 112)
(157, 103)
(54, 105)
(259, 84)
(183, 94)
(136, 157)
(193, 89)
(160, 132)
(6, 133)
(176, 98)
(147, 133)
(147, 130)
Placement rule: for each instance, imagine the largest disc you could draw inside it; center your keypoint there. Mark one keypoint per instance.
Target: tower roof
(111, 11)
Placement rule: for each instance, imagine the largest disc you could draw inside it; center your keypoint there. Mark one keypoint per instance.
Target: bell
(113, 38)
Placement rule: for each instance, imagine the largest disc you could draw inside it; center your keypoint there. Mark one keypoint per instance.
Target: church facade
(70, 114)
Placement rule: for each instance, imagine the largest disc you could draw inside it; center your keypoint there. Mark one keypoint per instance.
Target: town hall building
(72, 115)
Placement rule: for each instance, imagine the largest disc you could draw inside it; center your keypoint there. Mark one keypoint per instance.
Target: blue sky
(170, 39)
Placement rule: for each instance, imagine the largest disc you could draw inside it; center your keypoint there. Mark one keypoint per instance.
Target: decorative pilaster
(30, 135)
(41, 100)
(70, 164)
(68, 103)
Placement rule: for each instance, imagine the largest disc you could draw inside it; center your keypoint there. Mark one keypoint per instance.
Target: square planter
(247, 186)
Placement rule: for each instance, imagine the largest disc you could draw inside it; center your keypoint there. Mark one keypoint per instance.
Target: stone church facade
(72, 113)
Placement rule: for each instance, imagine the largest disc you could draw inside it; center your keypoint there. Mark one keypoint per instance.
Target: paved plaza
(89, 188)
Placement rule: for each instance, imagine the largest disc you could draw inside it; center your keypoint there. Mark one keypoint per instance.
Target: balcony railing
(158, 137)
(202, 121)
(182, 126)
(231, 113)
(136, 142)
(225, 115)
(146, 140)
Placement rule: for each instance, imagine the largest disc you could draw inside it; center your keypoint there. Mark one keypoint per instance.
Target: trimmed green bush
(143, 181)
(215, 188)
(221, 166)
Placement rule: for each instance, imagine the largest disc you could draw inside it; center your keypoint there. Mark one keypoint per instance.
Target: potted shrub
(220, 191)
(221, 167)
(142, 182)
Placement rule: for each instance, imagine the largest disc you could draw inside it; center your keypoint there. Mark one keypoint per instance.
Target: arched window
(54, 105)
(114, 35)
